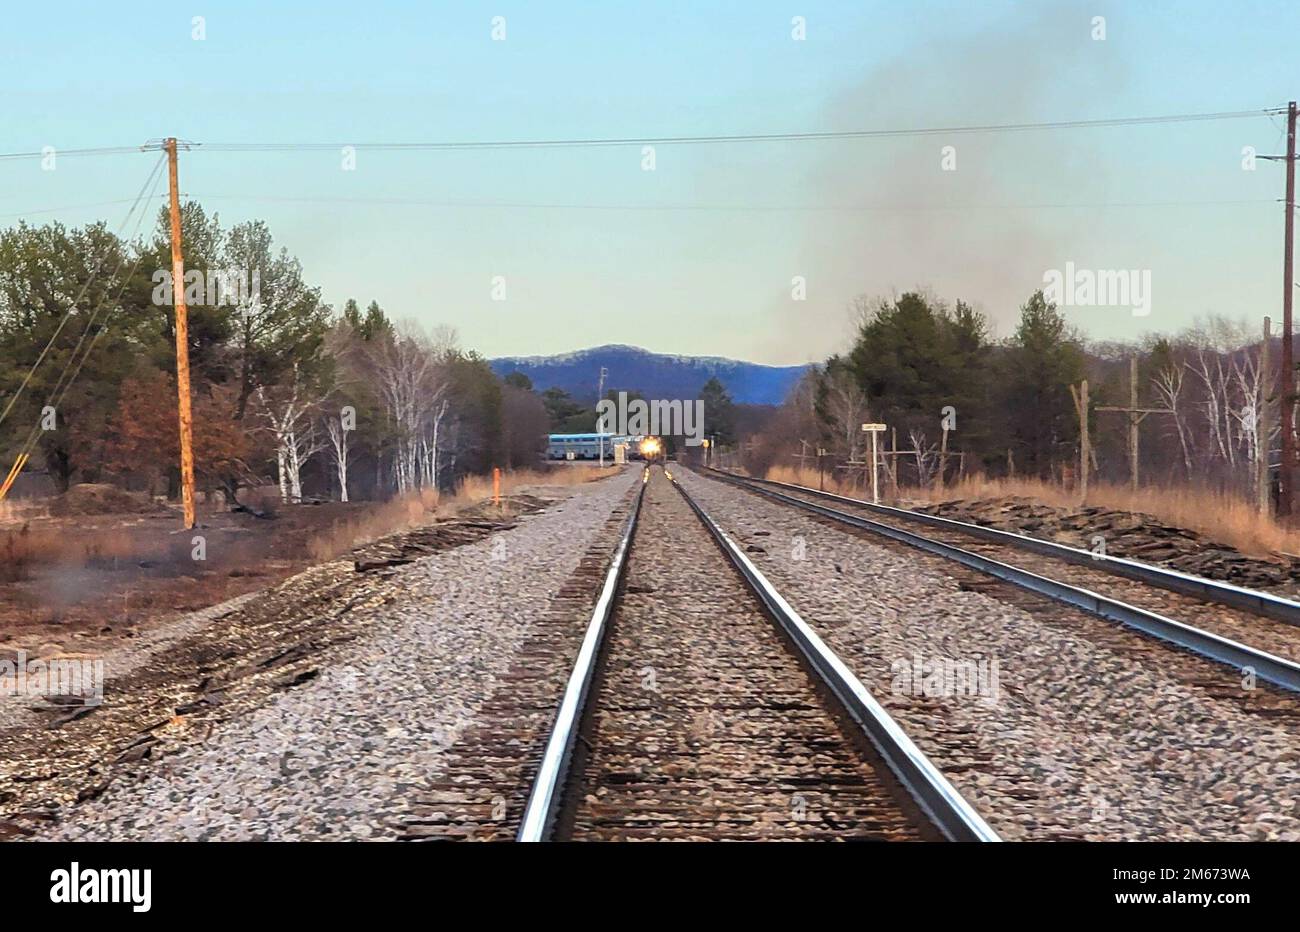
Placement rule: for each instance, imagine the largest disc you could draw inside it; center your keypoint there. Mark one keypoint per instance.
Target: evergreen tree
(1042, 361)
(719, 412)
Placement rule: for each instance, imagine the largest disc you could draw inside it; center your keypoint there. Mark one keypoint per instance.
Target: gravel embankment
(1276, 637)
(1093, 732)
(340, 756)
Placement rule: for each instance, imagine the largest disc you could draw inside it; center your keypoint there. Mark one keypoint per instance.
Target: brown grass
(1222, 517)
(25, 547)
(808, 477)
(426, 506)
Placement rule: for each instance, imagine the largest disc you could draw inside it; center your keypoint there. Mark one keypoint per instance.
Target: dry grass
(1224, 518)
(1220, 516)
(23, 548)
(424, 507)
(808, 477)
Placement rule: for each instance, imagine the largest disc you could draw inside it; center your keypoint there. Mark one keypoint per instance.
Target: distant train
(588, 446)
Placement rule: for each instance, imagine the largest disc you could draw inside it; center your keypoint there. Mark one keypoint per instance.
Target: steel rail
(545, 797)
(937, 798)
(1268, 667)
(1209, 590)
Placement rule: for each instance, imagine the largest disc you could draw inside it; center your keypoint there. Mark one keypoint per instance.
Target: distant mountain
(654, 375)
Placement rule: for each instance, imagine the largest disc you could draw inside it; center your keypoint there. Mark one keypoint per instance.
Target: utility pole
(875, 468)
(803, 453)
(893, 461)
(1136, 416)
(1265, 428)
(182, 340)
(1286, 371)
(1133, 421)
(1081, 407)
(1285, 503)
(941, 478)
(600, 393)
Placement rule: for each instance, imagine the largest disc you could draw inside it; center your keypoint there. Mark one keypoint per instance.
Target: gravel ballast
(1091, 732)
(340, 756)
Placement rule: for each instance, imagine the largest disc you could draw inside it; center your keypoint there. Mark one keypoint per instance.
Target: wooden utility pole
(1081, 408)
(1136, 416)
(1285, 502)
(1286, 371)
(182, 340)
(600, 394)
(1265, 428)
(875, 469)
(1134, 419)
(940, 479)
(893, 461)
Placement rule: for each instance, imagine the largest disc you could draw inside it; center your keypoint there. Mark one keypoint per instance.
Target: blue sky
(698, 255)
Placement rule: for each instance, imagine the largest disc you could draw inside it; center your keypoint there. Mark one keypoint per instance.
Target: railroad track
(1137, 595)
(701, 706)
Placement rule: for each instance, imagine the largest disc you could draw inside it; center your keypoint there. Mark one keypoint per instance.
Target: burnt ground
(217, 671)
(87, 582)
(1131, 535)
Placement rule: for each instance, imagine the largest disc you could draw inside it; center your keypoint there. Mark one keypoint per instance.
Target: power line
(57, 210)
(738, 138)
(741, 208)
(61, 387)
(595, 142)
(62, 153)
(67, 315)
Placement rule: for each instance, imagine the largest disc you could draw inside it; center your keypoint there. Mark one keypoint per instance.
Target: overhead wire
(64, 383)
(702, 139)
(67, 315)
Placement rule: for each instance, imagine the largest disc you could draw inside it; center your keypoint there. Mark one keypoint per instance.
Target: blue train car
(587, 446)
(578, 446)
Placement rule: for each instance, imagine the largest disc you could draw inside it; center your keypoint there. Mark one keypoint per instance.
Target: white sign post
(874, 430)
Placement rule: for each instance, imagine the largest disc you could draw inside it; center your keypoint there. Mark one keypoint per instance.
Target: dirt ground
(89, 570)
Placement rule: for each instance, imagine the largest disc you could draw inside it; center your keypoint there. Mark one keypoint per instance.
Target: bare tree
(1253, 382)
(1168, 384)
(413, 385)
(338, 435)
(287, 413)
(1212, 344)
(846, 406)
(925, 457)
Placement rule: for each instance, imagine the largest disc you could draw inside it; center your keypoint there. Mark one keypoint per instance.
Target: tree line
(285, 390)
(915, 357)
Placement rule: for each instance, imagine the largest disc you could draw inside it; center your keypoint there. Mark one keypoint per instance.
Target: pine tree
(1042, 361)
